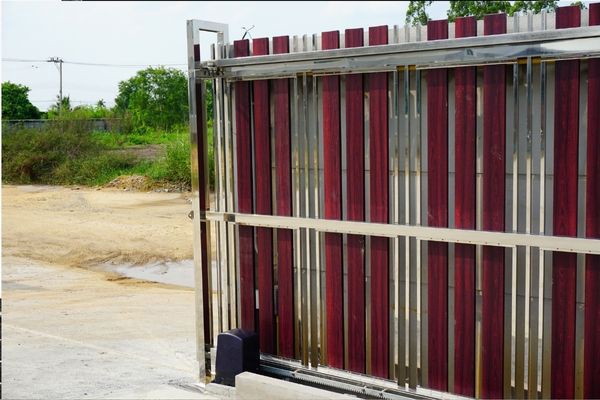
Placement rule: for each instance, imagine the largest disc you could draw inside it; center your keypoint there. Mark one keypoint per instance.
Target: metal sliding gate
(405, 211)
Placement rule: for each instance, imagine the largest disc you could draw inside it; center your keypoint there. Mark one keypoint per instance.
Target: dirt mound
(137, 183)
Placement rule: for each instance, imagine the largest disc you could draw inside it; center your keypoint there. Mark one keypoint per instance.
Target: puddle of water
(180, 273)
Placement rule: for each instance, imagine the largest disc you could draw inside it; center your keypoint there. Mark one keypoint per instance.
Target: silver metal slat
(542, 181)
(532, 264)
(235, 207)
(581, 222)
(229, 207)
(218, 101)
(314, 237)
(295, 124)
(366, 127)
(397, 331)
(393, 218)
(541, 277)
(451, 224)
(215, 267)
(413, 344)
(405, 325)
(478, 225)
(422, 286)
(548, 82)
(518, 266)
(418, 219)
(304, 233)
(322, 319)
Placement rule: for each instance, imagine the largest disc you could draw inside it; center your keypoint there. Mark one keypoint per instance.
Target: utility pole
(59, 61)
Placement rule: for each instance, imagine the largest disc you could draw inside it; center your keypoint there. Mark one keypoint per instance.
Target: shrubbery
(58, 155)
(69, 153)
(151, 109)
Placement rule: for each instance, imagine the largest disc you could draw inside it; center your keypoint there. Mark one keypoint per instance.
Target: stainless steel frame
(551, 44)
(530, 48)
(194, 27)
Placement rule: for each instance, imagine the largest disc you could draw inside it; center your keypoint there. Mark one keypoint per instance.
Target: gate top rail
(551, 44)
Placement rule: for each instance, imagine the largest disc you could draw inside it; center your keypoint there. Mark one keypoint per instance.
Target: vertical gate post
(200, 189)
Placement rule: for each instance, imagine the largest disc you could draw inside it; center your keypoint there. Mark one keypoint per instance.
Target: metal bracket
(207, 72)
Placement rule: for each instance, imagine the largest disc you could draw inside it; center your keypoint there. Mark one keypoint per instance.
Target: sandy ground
(77, 227)
(72, 331)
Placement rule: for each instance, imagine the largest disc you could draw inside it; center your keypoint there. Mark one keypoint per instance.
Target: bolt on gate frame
(405, 212)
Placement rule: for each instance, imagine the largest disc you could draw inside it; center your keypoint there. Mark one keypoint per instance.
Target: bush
(32, 155)
(68, 152)
(65, 154)
(178, 162)
(95, 170)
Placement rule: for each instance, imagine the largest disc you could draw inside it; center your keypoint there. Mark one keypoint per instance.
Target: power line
(22, 60)
(70, 101)
(90, 64)
(120, 65)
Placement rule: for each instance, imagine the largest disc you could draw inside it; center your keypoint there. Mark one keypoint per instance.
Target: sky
(152, 33)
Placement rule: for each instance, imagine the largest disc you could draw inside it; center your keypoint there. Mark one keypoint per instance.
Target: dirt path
(72, 332)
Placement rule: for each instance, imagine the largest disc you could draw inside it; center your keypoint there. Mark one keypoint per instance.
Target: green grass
(174, 167)
(74, 155)
(119, 140)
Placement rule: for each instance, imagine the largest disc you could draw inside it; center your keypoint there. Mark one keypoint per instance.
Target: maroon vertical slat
(332, 172)
(591, 363)
(355, 201)
(378, 158)
(283, 195)
(202, 185)
(494, 155)
(465, 120)
(437, 215)
(564, 270)
(244, 188)
(264, 236)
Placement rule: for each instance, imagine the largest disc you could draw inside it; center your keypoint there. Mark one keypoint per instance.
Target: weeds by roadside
(72, 154)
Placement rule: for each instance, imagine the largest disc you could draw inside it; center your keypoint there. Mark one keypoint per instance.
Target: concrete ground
(73, 333)
(72, 329)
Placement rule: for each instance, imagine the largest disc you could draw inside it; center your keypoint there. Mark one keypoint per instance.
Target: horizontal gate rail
(466, 236)
(553, 44)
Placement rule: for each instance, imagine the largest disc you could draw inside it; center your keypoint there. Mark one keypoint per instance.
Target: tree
(416, 14)
(155, 97)
(16, 104)
(417, 10)
(60, 107)
(476, 9)
(534, 6)
(580, 4)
